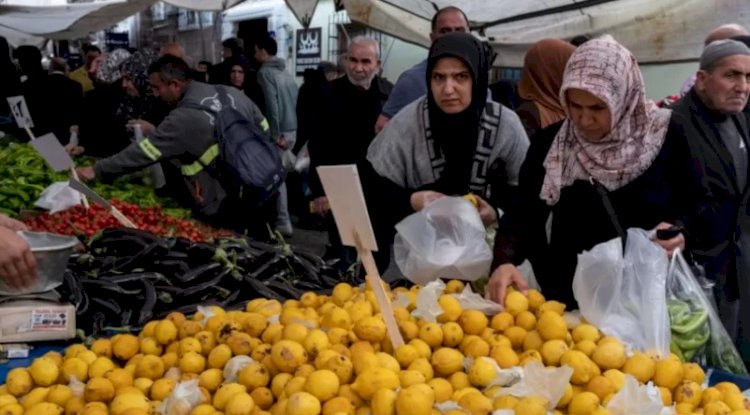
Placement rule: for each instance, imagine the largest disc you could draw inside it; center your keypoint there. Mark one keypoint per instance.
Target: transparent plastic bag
(58, 197)
(634, 398)
(185, 396)
(428, 308)
(625, 295)
(234, 366)
(698, 334)
(445, 240)
(545, 382)
(469, 300)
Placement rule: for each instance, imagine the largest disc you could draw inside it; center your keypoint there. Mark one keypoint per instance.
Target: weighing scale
(37, 314)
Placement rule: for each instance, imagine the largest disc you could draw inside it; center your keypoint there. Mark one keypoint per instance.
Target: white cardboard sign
(53, 152)
(345, 196)
(20, 111)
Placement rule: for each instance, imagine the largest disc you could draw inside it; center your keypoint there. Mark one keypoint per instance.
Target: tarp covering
(28, 24)
(303, 10)
(656, 31)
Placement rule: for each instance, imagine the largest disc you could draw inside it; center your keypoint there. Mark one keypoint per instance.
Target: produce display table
(39, 350)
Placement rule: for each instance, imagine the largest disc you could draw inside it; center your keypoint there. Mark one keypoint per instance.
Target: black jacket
(579, 219)
(345, 125)
(55, 103)
(725, 208)
(102, 131)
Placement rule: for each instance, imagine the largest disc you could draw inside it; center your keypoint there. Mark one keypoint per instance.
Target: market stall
(173, 321)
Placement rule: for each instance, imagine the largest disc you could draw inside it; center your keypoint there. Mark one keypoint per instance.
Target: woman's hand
(504, 276)
(74, 149)
(670, 245)
(486, 212)
(423, 198)
(12, 224)
(17, 263)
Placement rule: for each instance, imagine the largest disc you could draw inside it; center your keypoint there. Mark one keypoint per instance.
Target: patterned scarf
(136, 69)
(610, 72)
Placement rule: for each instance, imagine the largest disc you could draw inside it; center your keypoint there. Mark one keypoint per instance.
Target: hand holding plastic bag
(445, 240)
(625, 294)
(58, 197)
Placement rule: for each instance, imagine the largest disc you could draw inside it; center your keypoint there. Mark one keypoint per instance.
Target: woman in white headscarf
(614, 148)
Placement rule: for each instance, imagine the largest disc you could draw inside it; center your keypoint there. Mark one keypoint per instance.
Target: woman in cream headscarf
(614, 141)
(539, 87)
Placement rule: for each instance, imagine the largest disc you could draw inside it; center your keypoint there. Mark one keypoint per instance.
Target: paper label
(49, 319)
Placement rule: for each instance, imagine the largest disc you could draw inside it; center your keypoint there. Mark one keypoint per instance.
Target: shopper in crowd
(344, 127)
(716, 128)
(315, 88)
(280, 92)
(615, 148)
(54, 101)
(411, 85)
(17, 262)
(202, 70)
(722, 32)
(539, 87)
(451, 142)
(63, 112)
(83, 75)
(10, 84)
(102, 131)
(231, 48)
(186, 138)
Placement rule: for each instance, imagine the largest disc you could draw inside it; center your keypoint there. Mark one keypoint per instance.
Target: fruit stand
(180, 319)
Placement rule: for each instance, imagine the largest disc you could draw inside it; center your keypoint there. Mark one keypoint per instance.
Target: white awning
(656, 31)
(29, 24)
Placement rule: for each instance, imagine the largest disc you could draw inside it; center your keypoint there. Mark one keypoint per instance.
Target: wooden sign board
(347, 200)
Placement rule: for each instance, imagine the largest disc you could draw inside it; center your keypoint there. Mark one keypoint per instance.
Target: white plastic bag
(469, 300)
(636, 399)
(625, 295)
(234, 366)
(427, 307)
(545, 382)
(185, 396)
(443, 240)
(58, 197)
(303, 160)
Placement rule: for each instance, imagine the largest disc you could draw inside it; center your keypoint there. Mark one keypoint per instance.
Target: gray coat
(186, 139)
(280, 91)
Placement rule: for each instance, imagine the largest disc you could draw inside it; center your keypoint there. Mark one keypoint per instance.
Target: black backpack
(249, 164)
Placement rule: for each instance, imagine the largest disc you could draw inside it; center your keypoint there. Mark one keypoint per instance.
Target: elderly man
(717, 132)
(346, 122)
(412, 84)
(720, 33)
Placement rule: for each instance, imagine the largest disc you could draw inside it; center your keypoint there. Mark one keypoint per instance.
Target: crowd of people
(569, 158)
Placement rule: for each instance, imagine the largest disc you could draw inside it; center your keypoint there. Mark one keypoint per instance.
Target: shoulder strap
(604, 194)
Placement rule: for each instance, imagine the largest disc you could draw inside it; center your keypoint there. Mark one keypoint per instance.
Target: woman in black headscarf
(450, 142)
(242, 76)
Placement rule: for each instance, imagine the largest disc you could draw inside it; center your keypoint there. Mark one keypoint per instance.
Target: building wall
(665, 80)
(397, 55)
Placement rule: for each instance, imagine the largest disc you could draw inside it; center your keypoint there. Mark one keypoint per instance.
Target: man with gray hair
(717, 133)
(346, 124)
(725, 31)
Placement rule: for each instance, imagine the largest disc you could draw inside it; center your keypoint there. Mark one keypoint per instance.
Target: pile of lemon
(331, 355)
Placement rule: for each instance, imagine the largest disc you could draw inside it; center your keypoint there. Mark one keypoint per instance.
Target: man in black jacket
(55, 101)
(717, 132)
(346, 124)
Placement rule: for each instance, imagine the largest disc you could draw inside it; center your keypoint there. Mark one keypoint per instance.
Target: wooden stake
(376, 283)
